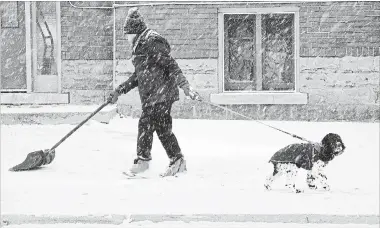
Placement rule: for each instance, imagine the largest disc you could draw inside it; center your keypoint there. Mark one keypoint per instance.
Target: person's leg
(163, 126)
(144, 142)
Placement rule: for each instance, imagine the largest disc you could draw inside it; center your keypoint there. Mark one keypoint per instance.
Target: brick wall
(339, 49)
(13, 60)
(191, 30)
(86, 34)
(337, 29)
(327, 29)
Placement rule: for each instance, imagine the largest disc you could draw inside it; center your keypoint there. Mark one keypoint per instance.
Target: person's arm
(182, 82)
(175, 72)
(160, 54)
(123, 88)
(128, 85)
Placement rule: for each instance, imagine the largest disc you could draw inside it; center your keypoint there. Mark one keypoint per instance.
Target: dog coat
(304, 155)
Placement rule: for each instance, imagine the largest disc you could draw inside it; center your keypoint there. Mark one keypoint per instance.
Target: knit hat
(134, 23)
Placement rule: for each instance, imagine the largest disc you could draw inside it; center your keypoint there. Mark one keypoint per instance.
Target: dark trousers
(157, 119)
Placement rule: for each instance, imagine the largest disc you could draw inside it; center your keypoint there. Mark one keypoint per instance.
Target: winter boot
(176, 165)
(140, 165)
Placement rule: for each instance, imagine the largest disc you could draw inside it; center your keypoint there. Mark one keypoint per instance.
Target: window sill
(259, 98)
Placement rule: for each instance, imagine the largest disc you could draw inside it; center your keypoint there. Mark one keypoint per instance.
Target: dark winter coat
(157, 75)
(304, 155)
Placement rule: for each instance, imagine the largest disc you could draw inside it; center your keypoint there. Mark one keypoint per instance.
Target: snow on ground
(199, 224)
(227, 165)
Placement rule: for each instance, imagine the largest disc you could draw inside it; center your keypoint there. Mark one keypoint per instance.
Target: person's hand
(113, 97)
(189, 92)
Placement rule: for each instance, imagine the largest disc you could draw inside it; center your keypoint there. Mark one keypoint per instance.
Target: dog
(312, 157)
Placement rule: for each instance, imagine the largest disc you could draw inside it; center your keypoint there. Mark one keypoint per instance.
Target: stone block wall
(342, 89)
(87, 81)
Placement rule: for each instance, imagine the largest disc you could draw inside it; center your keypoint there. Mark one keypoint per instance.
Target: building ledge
(259, 98)
(34, 98)
(54, 114)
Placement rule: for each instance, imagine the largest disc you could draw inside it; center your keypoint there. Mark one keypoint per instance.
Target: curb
(256, 218)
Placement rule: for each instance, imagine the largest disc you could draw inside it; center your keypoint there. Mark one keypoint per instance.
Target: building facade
(313, 61)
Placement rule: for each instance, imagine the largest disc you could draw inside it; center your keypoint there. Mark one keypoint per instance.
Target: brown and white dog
(312, 157)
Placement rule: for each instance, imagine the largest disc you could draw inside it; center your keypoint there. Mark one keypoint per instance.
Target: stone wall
(87, 81)
(343, 89)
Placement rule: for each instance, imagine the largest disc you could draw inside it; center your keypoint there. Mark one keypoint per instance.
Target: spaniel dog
(312, 157)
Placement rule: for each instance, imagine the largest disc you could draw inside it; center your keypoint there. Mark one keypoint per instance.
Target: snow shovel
(44, 157)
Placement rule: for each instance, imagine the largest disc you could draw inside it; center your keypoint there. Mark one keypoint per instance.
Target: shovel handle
(80, 125)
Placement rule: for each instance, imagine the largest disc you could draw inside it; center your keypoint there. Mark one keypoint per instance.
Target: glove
(189, 92)
(113, 97)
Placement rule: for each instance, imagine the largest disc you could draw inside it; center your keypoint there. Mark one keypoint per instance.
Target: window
(259, 50)
(258, 56)
(46, 54)
(46, 22)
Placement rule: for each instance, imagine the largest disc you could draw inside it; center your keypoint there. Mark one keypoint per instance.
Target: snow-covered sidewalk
(227, 166)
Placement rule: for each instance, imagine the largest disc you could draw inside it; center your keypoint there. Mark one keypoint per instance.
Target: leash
(246, 117)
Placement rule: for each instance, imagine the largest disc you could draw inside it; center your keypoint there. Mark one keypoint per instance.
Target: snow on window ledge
(259, 98)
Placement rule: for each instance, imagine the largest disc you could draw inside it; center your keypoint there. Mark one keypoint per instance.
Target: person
(157, 76)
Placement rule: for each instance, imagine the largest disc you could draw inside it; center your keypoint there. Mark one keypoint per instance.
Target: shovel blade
(34, 160)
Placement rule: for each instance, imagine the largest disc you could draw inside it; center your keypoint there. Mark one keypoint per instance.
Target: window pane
(239, 52)
(46, 38)
(278, 51)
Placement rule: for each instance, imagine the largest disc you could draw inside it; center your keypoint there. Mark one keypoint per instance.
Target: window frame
(221, 35)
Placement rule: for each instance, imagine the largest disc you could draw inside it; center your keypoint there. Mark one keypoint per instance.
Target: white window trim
(257, 97)
(59, 45)
(28, 48)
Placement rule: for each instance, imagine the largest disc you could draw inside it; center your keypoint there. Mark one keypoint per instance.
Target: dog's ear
(330, 140)
(327, 140)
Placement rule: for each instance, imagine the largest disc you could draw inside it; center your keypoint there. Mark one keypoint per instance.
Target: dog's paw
(312, 187)
(326, 188)
(267, 187)
(298, 191)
